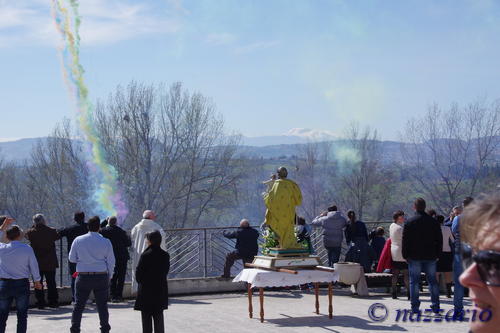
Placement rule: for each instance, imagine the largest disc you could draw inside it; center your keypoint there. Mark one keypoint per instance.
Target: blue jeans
(415, 267)
(458, 292)
(333, 254)
(20, 291)
(84, 284)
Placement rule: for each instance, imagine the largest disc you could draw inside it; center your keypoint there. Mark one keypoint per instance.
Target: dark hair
(432, 212)
(380, 231)
(282, 172)
(154, 238)
(397, 214)
(2, 218)
(79, 217)
(440, 219)
(112, 220)
(351, 215)
(467, 201)
(301, 220)
(13, 233)
(332, 208)
(419, 205)
(94, 223)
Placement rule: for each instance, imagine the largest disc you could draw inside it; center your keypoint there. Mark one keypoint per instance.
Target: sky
(268, 65)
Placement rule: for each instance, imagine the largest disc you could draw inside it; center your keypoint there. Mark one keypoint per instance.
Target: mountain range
(268, 147)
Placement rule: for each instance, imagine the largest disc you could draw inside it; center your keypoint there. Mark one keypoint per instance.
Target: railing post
(60, 262)
(205, 263)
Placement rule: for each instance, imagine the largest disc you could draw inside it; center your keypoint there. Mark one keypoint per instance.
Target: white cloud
(103, 21)
(220, 38)
(256, 46)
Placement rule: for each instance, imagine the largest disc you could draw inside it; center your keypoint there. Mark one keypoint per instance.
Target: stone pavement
(285, 311)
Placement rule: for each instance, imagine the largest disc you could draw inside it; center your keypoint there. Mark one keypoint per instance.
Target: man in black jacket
(246, 246)
(120, 241)
(77, 229)
(42, 239)
(422, 245)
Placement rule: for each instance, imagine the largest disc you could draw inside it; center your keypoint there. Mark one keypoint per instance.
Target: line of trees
(174, 155)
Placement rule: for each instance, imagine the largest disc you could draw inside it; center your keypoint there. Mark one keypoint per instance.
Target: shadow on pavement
(186, 301)
(337, 321)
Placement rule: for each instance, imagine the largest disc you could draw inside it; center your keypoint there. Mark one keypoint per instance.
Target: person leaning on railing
(121, 242)
(42, 239)
(17, 265)
(77, 229)
(246, 246)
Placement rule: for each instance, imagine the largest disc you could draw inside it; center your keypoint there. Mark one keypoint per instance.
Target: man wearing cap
(17, 265)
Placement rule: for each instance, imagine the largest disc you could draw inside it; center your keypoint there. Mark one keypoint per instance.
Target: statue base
(297, 261)
(278, 252)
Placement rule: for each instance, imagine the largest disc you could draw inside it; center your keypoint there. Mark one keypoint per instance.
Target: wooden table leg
(316, 294)
(261, 297)
(250, 306)
(330, 305)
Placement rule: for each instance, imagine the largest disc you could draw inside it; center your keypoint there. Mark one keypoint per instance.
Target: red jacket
(385, 261)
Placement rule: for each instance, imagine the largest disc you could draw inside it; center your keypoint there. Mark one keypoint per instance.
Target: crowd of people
(464, 248)
(98, 253)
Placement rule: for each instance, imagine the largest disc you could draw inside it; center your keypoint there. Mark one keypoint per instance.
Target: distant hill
(18, 150)
(267, 147)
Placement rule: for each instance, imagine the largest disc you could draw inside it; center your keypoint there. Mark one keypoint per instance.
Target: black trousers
(148, 318)
(50, 279)
(118, 280)
(230, 259)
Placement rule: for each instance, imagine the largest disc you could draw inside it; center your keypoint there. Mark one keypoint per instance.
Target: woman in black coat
(356, 236)
(151, 276)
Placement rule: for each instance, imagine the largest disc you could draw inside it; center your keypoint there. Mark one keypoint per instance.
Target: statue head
(282, 172)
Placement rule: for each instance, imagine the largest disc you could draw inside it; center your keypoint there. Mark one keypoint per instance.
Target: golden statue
(281, 200)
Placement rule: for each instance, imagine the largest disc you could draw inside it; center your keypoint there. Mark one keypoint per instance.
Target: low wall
(191, 286)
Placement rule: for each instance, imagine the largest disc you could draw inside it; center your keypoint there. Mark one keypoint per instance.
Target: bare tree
(314, 170)
(169, 148)
(57, 177)
(360, 170)
(446, 151)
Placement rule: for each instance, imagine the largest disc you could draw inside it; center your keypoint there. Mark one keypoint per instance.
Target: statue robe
(281, 201)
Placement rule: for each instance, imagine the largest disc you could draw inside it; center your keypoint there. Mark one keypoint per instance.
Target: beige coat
(138, 235)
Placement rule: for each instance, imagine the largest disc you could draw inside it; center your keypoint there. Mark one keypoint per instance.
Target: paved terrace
(285, 311)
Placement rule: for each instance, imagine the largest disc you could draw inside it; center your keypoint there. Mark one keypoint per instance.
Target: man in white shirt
(95, 264)
(138, 234)
(17, 265)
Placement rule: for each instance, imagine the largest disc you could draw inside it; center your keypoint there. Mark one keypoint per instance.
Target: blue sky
(268, 65)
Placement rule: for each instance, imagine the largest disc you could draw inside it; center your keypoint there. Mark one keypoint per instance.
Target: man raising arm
(17, 265)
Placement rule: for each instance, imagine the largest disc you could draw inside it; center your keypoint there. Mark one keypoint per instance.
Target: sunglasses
(488, 264)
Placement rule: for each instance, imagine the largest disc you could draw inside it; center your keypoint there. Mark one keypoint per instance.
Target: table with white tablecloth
(259, 278)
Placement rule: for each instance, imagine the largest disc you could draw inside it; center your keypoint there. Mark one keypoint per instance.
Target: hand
(38, 285)
(6, 223)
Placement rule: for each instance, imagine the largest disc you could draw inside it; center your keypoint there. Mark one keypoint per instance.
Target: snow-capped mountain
(293, 136)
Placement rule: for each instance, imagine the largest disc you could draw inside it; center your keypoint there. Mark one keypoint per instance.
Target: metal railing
(201, 252)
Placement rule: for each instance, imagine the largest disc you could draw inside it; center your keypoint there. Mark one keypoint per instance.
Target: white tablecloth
(260, 278)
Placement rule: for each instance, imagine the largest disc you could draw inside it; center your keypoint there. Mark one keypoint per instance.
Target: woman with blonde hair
(480, 235)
